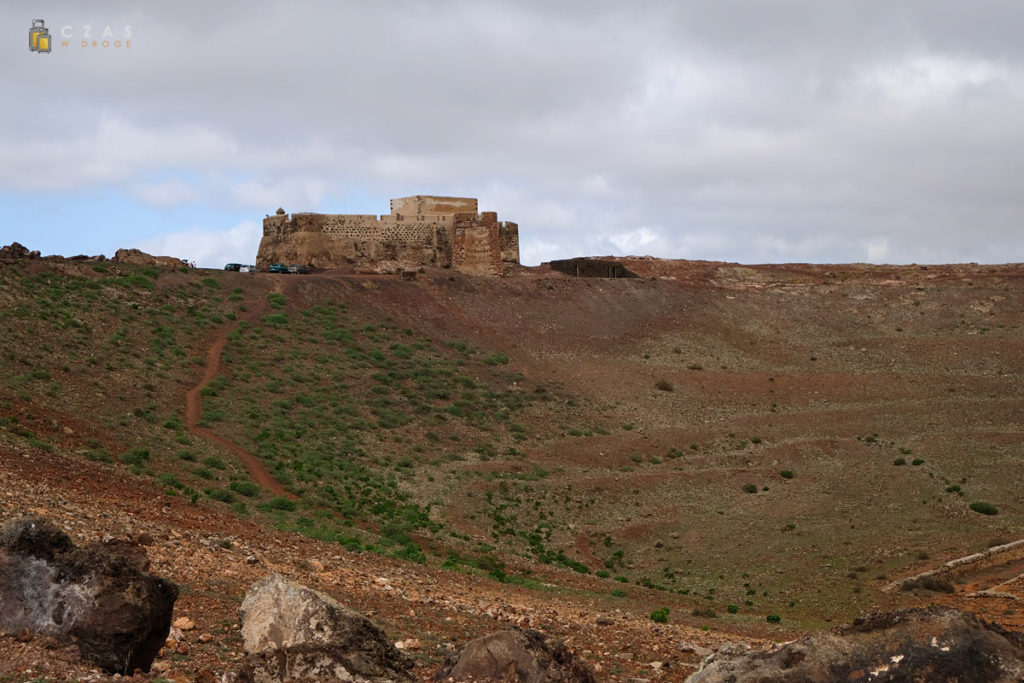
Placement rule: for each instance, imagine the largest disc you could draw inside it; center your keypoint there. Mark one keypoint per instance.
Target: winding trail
(194, 409)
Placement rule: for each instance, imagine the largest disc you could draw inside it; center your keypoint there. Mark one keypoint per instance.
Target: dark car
(278, 268)
(233, 266)
(296, 268)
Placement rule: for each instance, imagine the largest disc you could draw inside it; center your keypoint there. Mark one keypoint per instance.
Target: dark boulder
(938, 645)
(15, 250)
(295, 633)
(93, 596)
(525, 656)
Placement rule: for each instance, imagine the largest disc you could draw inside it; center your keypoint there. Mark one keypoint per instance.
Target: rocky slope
(720, 440)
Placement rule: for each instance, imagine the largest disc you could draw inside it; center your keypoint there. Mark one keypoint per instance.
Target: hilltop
(451, 452)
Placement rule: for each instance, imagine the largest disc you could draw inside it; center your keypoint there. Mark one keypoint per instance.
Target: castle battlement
(422, 230)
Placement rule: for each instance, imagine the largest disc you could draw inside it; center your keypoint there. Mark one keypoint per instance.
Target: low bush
(282, 504)
(135, 456)
(169, 479)
(222, 495)
(984, 508)
(245, 488)
(660, 616)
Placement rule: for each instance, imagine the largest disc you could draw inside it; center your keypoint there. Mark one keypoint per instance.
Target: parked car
(278, 268)
(233, 266)
(296, 268)
(246, 269)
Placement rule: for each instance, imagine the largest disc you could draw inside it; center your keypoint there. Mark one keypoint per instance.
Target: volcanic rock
(91, 596)
(14, 250)
(141, 258)
(526, 656)
(295, 633)
(938, 645)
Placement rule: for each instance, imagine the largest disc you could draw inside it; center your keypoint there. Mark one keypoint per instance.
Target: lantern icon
(39, 37)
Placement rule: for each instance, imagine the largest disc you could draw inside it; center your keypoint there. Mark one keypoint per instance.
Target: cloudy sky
(741, 130)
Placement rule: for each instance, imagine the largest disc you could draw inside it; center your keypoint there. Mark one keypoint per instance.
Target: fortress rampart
(422, 230)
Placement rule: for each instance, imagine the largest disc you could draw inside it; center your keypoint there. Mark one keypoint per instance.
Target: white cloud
(876, 250)
(112, 151)
(167, 194)
(923, 80)
(208, 248)
(635, 242)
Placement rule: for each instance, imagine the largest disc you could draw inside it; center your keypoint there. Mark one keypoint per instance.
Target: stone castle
(441, 232)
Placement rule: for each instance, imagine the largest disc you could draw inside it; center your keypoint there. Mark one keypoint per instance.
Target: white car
(246, 269)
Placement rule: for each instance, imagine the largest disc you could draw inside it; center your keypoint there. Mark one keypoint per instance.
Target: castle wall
(429, 204)
(508, 239)
(475, 249)
(412, 235)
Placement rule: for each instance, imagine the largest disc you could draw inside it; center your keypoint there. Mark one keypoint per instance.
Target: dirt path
(194, 410)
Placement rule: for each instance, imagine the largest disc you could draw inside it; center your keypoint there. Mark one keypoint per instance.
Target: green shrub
(773, 618)
(204, 473)
(135, 456)
(214, 462)
(732, 609)
(917, 461)
(276, 319)
(787, 474)
(211, 283)
(984, 508)
(245, 488)
(955, 488)
(98, 455)
(618, 593)
(750, 488)
(283, 504)
(660, 616)
(899, 461)
(169, 479)
(222, 495)
(496, 358)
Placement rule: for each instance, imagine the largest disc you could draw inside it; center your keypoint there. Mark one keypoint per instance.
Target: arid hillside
(763, 450)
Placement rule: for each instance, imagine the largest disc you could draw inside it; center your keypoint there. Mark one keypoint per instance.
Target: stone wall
(420, 231)
(476, 246)
(428, 204)
(508, 238)
(591, 267)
